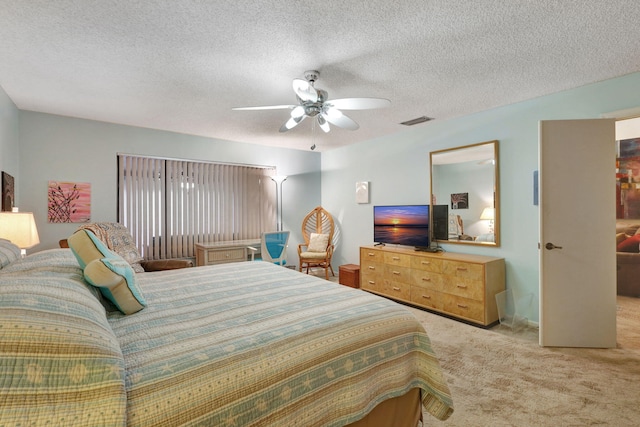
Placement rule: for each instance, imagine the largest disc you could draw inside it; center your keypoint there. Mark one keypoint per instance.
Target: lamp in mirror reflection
(19, 228)
(489, 214)
(279, 179)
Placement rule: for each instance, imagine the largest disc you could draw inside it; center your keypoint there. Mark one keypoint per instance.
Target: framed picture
(460, 201)
(8, 192)
(69, 202)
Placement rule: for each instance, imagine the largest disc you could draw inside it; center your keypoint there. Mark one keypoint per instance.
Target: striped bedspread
(256, 344)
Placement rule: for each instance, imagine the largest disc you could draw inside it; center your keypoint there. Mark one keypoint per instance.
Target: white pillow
(318, 242)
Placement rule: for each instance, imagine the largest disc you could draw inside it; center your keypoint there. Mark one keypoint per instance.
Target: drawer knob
(371, 282)
(425, 262)
(462, 306)
(396, 258)
(426, 296)
(462, 269)
(396, 273)
(371, 254)
(426, 279)
(462, 286)
(395, 288)
(371, 267)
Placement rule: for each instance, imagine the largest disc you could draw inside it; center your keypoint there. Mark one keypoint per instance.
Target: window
(169, 205)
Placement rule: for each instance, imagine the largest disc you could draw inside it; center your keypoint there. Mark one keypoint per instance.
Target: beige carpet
(498, 377)
(503, 378)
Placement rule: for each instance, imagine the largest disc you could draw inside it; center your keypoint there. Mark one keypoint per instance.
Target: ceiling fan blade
(291, 123)
(359, 103)
(335, 117)
(305, 90)
(266, 107)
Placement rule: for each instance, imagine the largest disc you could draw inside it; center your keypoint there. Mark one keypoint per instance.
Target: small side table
(349, 275)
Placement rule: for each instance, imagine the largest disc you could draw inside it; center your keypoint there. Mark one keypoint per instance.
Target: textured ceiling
(182, 65)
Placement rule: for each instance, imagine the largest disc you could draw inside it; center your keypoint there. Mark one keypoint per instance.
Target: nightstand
(349, 275)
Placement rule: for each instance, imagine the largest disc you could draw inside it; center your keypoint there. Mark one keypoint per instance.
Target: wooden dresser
(458, 285)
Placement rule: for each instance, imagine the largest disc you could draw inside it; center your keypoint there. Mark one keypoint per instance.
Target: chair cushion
(313, 255)
(632, 244)
(117, 281)
(318, 242)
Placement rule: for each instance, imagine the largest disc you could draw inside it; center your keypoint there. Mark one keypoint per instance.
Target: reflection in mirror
(465, 180)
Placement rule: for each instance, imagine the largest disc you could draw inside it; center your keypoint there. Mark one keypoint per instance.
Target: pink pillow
(632, 244)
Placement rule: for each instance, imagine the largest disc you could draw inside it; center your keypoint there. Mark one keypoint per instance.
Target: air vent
(415, 121)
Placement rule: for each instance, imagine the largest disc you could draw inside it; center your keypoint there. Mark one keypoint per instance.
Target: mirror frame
(458, 152)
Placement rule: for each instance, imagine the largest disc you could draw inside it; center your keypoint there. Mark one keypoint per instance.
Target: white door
(577, 233)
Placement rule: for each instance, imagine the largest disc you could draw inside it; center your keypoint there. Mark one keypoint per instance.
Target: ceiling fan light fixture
(324, 125)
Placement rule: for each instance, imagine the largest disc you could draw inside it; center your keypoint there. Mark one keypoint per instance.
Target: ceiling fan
(314, 103)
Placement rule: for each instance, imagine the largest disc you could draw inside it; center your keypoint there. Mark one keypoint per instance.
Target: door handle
(550, 246)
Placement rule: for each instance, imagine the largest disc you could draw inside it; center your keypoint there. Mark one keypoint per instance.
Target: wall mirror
(465, 195)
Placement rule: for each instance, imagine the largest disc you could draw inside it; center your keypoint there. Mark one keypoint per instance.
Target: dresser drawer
(463, 307)
(427, 279)
(426, 264)
(397, 290)
(368, 268)
(372, 255)
(226, 255)
(463, 269)
(427, 298)
(400, 260)
(372, 281)
(397, 274)
(467, 288)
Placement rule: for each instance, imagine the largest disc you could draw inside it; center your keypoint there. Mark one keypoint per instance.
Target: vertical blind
(169, 205)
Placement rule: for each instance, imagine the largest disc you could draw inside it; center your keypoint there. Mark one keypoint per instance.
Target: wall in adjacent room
(397, 168)
(68, 149)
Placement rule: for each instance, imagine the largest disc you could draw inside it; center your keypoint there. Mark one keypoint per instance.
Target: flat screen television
(406, 225)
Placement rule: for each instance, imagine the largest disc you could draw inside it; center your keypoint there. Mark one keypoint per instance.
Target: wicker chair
(316, 251)
(118, 239)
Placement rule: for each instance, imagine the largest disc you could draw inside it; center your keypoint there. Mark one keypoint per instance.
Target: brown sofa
(628, 259)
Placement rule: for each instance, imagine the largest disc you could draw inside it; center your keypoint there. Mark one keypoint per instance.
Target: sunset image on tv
(402, 225)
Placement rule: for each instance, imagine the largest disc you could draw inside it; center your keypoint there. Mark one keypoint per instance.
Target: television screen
(401, 225)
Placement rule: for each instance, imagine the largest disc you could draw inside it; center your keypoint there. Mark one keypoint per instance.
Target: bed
(234, 344)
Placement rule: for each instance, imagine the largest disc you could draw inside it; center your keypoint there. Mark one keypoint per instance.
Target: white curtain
(169, 205)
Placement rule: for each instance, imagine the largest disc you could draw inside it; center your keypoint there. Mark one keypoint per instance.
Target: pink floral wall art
(69, 201)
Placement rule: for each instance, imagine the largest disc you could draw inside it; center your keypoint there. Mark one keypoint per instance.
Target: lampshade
(488, 213)
(19, 228)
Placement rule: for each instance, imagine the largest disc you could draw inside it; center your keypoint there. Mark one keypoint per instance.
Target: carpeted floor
(501, 378)
(498, 377)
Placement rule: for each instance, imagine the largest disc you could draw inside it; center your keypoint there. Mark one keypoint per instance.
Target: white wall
(67, 149)
(9, 153)
(397, 168)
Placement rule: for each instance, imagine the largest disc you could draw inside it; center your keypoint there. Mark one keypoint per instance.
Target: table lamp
(20, 229)
(489, 213)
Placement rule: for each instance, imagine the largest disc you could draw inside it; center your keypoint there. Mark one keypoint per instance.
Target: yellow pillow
(107, 271)
(117, 281)
(87, 247)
